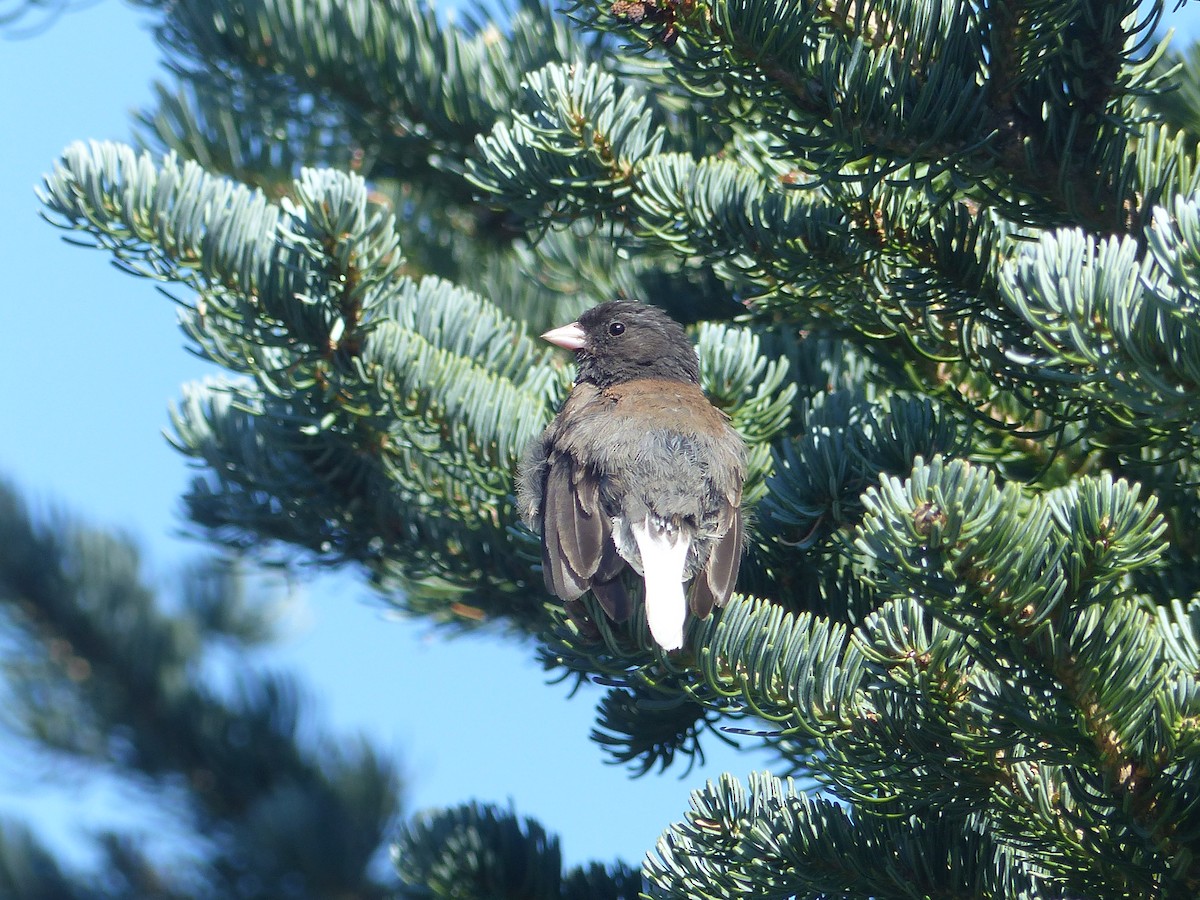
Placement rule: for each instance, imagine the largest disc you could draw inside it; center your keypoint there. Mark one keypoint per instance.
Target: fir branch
(476, 852)
(255, 134)
(410, 88)
(1056, 637)
(642, 728)
(773, 841)
(829, 79)
(106, 675)
(578, 133)
(352, 366)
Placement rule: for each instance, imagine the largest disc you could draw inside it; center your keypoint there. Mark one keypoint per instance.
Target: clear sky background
(91, 360)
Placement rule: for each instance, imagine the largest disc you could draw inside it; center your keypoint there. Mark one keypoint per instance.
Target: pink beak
(569, 337)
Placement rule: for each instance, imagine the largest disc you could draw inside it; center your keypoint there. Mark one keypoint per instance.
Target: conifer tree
(100, 672)
(942, 264)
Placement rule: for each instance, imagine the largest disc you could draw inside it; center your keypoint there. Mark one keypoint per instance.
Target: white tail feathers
(663, 555)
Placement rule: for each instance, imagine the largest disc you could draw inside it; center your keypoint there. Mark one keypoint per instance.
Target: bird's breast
(676, 405)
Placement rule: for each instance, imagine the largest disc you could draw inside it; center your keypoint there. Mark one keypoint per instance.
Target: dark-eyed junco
(637, 467)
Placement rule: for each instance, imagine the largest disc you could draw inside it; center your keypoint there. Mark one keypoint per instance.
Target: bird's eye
(616, 329)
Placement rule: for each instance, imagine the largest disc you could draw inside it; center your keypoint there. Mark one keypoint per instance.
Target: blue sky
(93, 358)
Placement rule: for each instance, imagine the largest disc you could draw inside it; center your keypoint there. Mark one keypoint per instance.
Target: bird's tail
(664, 553)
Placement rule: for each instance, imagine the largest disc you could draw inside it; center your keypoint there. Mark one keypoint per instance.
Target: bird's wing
(613, 597)
(714, 584)
(606, 583)
(574, 528)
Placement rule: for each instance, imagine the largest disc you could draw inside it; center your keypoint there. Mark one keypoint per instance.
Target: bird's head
(621, 341)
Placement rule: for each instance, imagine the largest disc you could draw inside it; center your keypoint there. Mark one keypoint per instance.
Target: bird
(637, 469)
